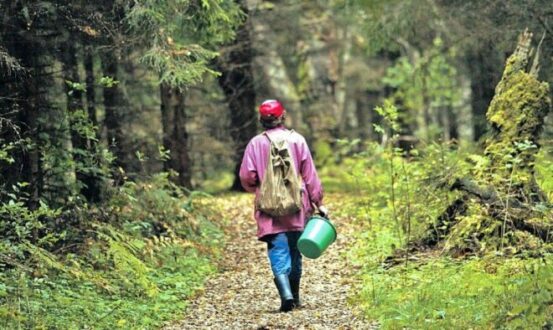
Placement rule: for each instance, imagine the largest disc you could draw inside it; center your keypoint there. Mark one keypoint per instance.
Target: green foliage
(93, 159)
(107, 82)
(180, 35)
(24, 222)
(425, 85)
(420, 185)
(75, 86)
(63, 301)
(5, 153)
(142, 207)
(544, 168)
(218, 181)
(427, 290)
(390, 114)
(180, 70)
(323, 154)
(443, 293)
(135, 272)
(385, 20)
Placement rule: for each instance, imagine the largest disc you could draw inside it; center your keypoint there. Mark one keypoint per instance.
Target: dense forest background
(183, 79)
(116, 115)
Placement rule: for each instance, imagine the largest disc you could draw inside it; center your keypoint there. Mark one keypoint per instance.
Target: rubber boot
(286, 298)
(295, 286)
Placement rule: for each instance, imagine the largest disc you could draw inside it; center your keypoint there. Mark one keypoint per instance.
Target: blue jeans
(284, 256)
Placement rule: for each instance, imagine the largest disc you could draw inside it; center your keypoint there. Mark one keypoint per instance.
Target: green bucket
(318, 234)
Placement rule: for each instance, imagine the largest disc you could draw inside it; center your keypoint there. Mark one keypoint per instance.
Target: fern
(49, 261)
(128, 266)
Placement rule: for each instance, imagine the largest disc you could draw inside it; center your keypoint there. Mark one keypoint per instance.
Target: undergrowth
(394, 197)
(130, 264)
(442, 293)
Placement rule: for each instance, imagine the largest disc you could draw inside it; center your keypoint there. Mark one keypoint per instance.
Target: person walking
(281, 233)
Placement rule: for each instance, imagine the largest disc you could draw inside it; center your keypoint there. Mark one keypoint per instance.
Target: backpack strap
(268, 137)
(290, 132)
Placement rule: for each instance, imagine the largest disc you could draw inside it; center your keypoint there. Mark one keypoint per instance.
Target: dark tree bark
(31, 168)
(452, 124)
(90, 84)
(74, 98)
(484, 67)
(406, 139)
(448, 122)
(28, 96)
(90, 186)
(236, 81)
(11, 129)
(93, 184)
(175, 136)
(115, 108)
(366, 116)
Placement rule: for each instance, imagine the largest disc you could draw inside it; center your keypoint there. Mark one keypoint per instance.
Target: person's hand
(323, 211)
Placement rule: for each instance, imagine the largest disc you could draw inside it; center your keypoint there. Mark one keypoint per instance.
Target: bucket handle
(316, 208)
(325, 219)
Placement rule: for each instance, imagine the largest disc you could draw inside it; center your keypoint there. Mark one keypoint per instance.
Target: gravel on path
(243, 295)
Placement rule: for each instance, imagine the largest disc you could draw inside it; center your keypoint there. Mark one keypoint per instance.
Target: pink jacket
(252, 171)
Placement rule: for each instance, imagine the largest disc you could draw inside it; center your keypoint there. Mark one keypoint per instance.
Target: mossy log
(502, 207)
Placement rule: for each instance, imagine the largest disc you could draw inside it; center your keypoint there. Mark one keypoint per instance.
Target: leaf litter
(243, 295)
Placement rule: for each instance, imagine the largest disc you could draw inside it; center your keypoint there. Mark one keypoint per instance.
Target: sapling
(390, 114)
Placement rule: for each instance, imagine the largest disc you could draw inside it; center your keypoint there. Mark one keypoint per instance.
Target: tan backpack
(280, 191)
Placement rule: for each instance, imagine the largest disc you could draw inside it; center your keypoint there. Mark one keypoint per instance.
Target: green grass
(433, 291)
(447, 294)
(438, 292)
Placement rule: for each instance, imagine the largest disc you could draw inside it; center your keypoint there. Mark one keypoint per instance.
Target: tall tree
(175, 136)
(74, 94)
(237, 82)
(483, 65)
(115, 108)
(26, 37)
(90, 81)
(179, 48)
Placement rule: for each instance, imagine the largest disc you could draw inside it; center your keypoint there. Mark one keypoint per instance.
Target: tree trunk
(74, 104)
(27, 99)
(90, 86)
(276, 67)
(11, 129)
(114, 104)
(175, 136)
(31, 164)
(484, 74)
(451, 124)
(83, 148)
(342, 84)
(236, 81)
(93, 183)
(366, 101)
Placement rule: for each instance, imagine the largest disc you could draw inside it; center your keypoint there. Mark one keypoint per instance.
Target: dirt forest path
(243, 295)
